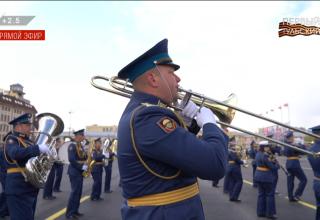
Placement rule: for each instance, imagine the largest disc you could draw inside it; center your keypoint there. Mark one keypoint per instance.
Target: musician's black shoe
(78, 214)
(235, 200)
(293, 200)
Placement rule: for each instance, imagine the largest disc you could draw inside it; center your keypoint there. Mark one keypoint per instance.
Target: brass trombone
(225, 110)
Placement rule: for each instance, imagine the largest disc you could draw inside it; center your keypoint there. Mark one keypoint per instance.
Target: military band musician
(21, 195)
(97, 169)
(108, 169)
(315, 165)
(294, 169)
(77, 158)
(264, 177)
(159, 159)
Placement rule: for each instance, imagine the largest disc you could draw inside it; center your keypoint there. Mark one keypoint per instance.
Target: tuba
(38, 168)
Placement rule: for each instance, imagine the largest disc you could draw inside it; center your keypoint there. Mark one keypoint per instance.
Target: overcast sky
(222, 47)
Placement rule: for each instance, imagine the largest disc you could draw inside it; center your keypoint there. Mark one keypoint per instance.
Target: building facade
(12, 104)
(95, 131)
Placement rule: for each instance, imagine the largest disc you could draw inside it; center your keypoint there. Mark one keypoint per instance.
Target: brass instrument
(105, 152)
(89, 161)
(114, 146)
(38, 168)
(109, 147)
(241, 154)
(225, 110)
(63, 152)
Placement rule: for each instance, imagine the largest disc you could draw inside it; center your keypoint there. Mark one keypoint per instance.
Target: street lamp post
(70, 112)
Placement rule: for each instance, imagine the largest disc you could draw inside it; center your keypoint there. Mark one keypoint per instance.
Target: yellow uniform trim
(80, 152)
(293, 158)
(136, 149)
(263, 168)
(16, 170)
(231, 162)
(166, 198)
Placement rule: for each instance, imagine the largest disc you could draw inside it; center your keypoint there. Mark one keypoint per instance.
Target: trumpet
(225, 110)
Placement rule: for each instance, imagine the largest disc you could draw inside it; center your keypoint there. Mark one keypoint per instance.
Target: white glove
(190, 110)
(107, 155)
(84, 167)
(205, 116)
(44, 149)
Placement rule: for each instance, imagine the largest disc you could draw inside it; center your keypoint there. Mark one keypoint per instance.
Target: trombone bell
(224, 113)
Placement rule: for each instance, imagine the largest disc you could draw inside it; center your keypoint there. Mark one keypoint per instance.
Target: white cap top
(263, 143)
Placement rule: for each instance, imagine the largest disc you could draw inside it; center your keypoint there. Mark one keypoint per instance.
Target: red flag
(286, 105)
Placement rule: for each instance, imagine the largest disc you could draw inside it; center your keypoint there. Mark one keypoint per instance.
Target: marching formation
(167, 138)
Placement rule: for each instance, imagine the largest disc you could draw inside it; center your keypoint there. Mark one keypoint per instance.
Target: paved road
(215, 202)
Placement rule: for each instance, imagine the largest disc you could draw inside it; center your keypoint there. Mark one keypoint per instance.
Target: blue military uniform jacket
(252, 155)
(167, 148)
(262, 160)
(233, 157)
(18, 150)
(289, 152)
(3, 169)
(111, 157)
(315, 162)
(77, 157)
(98, 157)
(276, 149)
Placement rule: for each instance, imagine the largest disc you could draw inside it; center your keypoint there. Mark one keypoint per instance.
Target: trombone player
(159, 160)
(294, 170)
(315, 164)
